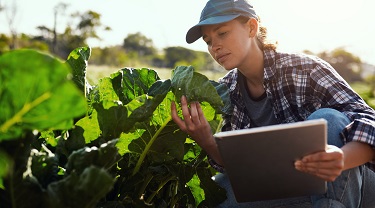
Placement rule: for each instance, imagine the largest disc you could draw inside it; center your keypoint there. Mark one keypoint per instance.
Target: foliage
(140, 44)
(64, 143)
(176, 54)
(345, 63)
(111, 56)
(366, 91)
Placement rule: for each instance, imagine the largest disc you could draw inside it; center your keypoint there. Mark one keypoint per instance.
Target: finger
(186, 114)
(326, 174)
(327, 171)
(331, 164)
(201, 116)
(176, 118)
(194, 113)
(323, 169)
(322, 156)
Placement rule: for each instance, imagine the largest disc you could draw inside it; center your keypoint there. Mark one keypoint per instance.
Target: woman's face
(229, 43)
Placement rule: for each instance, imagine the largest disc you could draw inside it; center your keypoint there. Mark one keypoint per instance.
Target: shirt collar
(269, 64)
(269, 70)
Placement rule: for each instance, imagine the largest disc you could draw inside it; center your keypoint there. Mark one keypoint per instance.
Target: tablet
(259, 161)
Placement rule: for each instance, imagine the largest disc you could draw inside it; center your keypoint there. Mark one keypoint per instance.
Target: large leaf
(130, 83)
(195, 86)
(105, 157)
(80, 190)
(78, 59)
(36, 93)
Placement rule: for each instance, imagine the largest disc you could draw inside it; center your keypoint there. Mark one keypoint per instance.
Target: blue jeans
(353, 188)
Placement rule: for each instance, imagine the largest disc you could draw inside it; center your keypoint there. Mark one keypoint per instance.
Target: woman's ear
(253, 25)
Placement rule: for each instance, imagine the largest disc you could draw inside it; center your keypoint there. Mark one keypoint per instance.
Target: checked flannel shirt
(298, 85)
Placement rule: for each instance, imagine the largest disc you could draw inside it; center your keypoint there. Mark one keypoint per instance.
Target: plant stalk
(148, 146)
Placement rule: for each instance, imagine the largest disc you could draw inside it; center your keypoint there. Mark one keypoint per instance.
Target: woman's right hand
(196, 125)
(193, 123)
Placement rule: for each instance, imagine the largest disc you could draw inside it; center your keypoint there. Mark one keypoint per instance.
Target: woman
(294, 87)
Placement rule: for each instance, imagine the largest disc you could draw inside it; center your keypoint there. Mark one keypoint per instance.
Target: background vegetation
(50, 150)
(137, 50)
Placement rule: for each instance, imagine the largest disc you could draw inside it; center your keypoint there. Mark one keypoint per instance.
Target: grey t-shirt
(260, 109)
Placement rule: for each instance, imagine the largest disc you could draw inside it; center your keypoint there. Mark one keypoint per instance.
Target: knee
(336, 122)
(329, 114)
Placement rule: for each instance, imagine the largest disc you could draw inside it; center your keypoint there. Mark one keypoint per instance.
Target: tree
(4, 43)
(58, 9)
(345, 63)
(76, 35)
(1, 6)
(178, 54)
(11, 14)
(88, 24)
(140, 44)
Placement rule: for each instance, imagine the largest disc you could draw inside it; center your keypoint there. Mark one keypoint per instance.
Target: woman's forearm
(211, 149)
(356, 154)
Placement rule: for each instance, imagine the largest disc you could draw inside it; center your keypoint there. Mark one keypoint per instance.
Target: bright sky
(297, 25)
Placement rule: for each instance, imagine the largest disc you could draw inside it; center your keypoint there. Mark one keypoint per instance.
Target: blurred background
(151, 33)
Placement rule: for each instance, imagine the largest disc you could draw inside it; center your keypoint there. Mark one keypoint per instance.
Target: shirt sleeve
(336, 93)
(215, 165)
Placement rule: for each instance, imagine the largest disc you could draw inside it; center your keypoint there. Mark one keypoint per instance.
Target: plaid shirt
(298, 85)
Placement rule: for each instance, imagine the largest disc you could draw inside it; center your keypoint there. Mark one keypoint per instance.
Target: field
(94, 73)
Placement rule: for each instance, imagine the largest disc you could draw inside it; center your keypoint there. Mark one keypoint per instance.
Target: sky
(297, 25)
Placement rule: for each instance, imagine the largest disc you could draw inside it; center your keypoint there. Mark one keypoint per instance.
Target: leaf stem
(218, 129)
(161, 185)
(148, 146)
(26, 108)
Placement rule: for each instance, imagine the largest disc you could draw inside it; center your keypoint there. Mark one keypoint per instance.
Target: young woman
(294, 87)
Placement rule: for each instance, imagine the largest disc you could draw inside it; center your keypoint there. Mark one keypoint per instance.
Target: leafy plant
(64, 143)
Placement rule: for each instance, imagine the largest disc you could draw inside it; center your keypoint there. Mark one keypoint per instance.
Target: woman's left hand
(327, 165)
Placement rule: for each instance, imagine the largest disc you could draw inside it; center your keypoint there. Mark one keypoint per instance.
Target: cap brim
(195, 32)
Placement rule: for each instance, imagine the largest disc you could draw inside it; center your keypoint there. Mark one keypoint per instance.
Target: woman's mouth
(221, 58)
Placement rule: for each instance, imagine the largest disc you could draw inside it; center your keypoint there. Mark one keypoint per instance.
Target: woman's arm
(356, 154)
(328, 165)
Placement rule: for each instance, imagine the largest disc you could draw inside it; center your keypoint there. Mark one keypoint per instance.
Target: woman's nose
(215, 45)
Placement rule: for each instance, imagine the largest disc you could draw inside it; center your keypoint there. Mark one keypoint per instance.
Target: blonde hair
(263, 42)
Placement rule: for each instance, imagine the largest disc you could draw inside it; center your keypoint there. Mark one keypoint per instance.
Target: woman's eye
(222, 33)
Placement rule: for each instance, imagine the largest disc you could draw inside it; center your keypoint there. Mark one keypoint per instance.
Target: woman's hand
(193, 123)
(327, 165)
(196, 125)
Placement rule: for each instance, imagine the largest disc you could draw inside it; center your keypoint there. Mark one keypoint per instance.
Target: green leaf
(77, 60)
(117, 119)
(107, 94)
(105, 156)
(5, 166)
(112, 121)
(49, 138)
(223, 91)
(44, 166)
(36, 93)
(196, 190)
(126, 139)
(195, 86)
(130, 83)
(214, 194)
(91, 127)
(80, 190)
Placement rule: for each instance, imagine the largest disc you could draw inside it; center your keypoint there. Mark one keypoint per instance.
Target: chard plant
(65, 143)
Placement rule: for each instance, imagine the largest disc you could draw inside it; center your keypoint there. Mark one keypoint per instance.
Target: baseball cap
(220, 11)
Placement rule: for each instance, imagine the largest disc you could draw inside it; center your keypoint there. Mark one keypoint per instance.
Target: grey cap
(220, 11)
